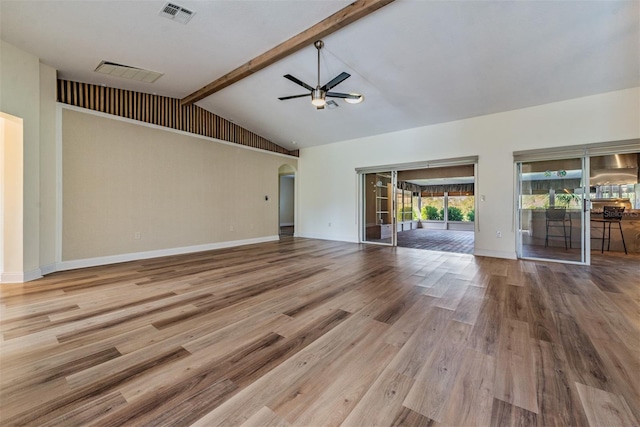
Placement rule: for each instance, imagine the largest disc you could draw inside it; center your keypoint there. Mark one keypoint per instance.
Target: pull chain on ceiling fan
(320, 93)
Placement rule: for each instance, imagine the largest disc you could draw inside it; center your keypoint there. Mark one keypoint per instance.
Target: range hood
(614, 169)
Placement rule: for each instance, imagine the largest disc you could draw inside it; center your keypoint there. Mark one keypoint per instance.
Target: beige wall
(176, 190)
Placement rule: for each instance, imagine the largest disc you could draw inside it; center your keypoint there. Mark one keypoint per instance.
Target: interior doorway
(11, 199)
(442, 205)
(286, 200)
(422, 206)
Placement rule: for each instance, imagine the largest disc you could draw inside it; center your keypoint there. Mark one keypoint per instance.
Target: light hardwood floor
(317, 333)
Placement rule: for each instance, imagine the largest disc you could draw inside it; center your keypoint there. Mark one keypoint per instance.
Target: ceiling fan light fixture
(318, 102)
(357, 100)
(317, 97)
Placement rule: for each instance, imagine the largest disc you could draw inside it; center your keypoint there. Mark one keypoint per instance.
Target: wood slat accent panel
(161, 111)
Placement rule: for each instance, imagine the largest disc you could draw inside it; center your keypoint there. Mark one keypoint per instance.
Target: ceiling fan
(320, 93)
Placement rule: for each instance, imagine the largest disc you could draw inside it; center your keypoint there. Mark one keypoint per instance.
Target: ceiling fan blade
(293, 96)
(297, 81)
(341, 95)
(336, 81)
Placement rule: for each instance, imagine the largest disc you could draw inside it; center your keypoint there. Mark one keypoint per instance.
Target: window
(404, 205)
(461, 208)
(415, 214)
(433, 208)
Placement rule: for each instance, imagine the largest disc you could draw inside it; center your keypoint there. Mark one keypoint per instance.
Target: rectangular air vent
(127, 72)
(176, 13)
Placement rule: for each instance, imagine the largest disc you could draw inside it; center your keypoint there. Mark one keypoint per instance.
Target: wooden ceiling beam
(333, 23)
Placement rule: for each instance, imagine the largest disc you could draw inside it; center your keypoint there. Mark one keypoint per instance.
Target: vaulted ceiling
(417, 62)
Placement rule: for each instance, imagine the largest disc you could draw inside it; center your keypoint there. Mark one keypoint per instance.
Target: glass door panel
(551, 205)
(378, 204)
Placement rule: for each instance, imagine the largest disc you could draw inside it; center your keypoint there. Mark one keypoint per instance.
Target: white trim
(371, 242)
(48, 269)
(21, 277)
(325, 237)
(567, 152)
(586, 212)
(559, 261)
(180, 132)
(58, 160)
(476, 201)
(12, 278)
(495, 254)
(32, 275)
(2, 184)
(517, 190)
(114, 259)
(458, 161)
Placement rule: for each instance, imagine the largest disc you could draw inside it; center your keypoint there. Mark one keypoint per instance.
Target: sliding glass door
(379, 219)
(552, 210)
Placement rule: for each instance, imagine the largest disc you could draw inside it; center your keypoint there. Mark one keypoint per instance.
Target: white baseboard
(48, 269)
(326, 237)
(12, 277)
(21, 276)
(495, 254)
(114, 259)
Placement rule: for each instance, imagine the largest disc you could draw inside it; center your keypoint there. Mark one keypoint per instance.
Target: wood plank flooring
(317, 333)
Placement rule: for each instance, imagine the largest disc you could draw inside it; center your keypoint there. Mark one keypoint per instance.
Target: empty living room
(204, 209)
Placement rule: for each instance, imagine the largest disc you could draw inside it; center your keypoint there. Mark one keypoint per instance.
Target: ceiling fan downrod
(318, 95)
(319, 44)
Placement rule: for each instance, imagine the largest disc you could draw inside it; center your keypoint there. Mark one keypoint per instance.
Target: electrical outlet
(498, 234)
(137, 235)
(231, 228)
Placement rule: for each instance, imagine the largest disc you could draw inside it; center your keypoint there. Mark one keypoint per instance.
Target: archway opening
(286, 200)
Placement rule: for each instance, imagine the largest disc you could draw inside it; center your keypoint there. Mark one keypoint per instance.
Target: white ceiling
(417, 62)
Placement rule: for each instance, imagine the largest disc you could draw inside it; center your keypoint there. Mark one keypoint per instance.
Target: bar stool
(611, 215)
(557, 218)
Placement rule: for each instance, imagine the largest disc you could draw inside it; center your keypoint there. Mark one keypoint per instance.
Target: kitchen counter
(534, 221)
(628, 213)
(630, 227)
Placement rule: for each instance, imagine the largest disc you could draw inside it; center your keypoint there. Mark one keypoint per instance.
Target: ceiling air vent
(127, 72)
(176, 13)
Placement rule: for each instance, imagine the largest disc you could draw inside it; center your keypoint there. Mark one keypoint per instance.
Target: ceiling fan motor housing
(318, 96)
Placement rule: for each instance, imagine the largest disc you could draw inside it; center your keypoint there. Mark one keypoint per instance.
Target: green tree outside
(471, 215)
(455, 214)
(431, 213)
